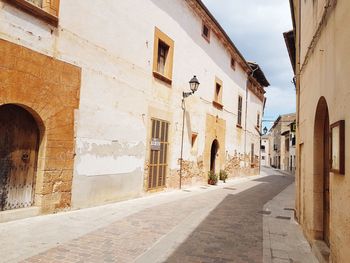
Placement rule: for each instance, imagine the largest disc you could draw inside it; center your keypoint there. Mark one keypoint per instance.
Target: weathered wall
(119, 95)
(324, 75)
(49, 90)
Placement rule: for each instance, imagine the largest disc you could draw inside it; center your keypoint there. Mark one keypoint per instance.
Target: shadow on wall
(233, 231)
(171, 8)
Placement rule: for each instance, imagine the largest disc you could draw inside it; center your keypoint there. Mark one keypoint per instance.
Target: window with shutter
(158, 155)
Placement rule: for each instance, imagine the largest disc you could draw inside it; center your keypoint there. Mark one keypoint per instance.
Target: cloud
(256, 28)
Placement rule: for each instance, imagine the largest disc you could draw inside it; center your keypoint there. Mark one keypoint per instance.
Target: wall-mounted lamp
(194, 84)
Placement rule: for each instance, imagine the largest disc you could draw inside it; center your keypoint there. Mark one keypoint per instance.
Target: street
(232, 222)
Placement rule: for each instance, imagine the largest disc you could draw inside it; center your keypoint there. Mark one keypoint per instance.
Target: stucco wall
(113, 44)
(325, 75)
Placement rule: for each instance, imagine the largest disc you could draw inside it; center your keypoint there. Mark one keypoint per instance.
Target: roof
(289, 38)
(206, 10)
(290, 117)
(258, 74)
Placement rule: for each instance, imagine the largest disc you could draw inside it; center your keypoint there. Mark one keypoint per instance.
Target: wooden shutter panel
(54, 6)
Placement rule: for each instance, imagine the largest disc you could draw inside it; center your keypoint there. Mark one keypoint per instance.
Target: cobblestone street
(205, 224)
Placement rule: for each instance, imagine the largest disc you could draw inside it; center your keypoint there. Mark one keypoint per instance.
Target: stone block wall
(49, 89)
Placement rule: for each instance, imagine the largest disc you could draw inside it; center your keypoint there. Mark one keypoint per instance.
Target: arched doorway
(321, 172)
(213, 155)
(19, 142)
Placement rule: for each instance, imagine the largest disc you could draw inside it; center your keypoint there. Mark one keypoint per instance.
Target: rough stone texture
(49, 90)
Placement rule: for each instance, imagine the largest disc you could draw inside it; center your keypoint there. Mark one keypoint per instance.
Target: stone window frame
(160, 37)
(218, 91)
(48, 12)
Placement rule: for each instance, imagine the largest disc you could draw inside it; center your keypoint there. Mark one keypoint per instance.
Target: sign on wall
(155, 144)
(338, 147)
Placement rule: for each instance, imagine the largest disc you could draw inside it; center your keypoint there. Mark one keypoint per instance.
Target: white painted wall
(112, 41)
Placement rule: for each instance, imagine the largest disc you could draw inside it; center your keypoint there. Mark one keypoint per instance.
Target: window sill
(162, 78)
(218, 105)
(239, 126)
(35, 11)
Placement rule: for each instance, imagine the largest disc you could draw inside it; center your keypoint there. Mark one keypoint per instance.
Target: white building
(132, 62)
(265, 150)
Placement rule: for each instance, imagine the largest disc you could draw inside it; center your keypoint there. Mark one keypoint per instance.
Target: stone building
(280, 142)
(319, 51)
(265, 150)
(97, 101)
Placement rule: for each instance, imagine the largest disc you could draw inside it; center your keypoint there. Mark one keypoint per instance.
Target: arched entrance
(321, 172)
(19, 142)
(213, 155)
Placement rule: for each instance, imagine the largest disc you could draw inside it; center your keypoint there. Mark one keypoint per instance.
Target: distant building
(265, 150)
(280, 146)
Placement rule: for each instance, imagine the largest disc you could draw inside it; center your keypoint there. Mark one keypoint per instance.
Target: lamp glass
(194, 84)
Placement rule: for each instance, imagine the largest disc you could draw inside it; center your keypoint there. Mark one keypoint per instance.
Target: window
(194, 140)
(233, 63)
(258, 120)
(218, 94)
(158, 163)
(163, 50)
(46, 10)
(239, 115)
(206, 32)
(252, 156)
(163, 57)
(194, 144)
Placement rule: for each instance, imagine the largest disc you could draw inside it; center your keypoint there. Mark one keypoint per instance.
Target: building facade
(265, 150)
(281, 148)
(319, 51)
(103, 101)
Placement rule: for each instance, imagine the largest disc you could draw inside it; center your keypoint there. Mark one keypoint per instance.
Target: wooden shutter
(158, 158)
(54, 6)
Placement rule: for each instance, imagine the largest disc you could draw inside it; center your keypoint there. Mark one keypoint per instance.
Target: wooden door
(158, 156)
(326, 197)
(19, 140)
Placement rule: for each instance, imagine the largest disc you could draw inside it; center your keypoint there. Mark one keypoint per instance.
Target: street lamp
(265, 130)
(194, 84)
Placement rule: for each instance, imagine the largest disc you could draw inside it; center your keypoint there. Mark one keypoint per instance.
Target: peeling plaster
(109, 157)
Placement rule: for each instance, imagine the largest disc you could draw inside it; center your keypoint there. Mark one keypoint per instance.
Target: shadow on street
(233, 232)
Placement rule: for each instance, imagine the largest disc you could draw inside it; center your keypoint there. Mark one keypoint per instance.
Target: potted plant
(223, 175)
(212, 178)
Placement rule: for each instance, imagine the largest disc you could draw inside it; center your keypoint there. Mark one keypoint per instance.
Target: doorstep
(321, 251)
(16, 214)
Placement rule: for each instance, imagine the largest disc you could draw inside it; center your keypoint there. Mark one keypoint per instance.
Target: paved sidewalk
(223, 223)
(284, 241)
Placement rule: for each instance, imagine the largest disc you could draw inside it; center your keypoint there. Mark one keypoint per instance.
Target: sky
(256, 28)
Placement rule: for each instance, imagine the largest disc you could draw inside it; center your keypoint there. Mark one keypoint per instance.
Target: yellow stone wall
(49, 89)
(323, 74)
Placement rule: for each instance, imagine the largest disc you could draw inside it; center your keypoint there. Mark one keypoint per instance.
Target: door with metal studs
(19, 141)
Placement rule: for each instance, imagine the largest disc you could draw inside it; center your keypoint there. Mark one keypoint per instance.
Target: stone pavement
(284, 241)
(225, 223)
